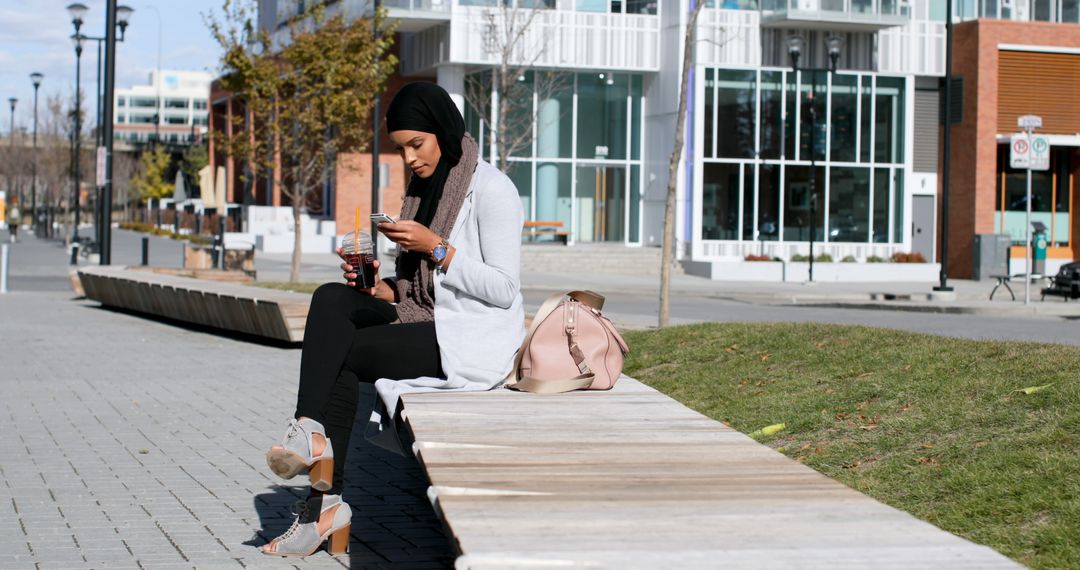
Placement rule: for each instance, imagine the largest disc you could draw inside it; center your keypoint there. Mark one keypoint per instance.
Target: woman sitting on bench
(452, 318)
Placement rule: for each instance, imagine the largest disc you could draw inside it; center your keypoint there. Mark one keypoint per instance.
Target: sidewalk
(132, 443)
(969, 297)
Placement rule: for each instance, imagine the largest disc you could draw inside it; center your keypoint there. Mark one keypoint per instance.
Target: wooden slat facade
(631, 479)
(1039, 83)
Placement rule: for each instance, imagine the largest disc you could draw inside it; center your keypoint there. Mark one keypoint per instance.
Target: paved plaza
(133, 443)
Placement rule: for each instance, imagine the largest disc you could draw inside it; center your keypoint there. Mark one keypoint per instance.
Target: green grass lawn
(287, 286)
(933, 426)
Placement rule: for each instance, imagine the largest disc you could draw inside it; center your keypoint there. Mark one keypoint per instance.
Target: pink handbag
(571, 345)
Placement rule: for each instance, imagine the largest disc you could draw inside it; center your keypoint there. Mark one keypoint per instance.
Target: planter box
(778, 271)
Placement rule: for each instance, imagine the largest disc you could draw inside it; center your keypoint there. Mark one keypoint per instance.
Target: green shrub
(848, 259)
(875, 259)
(824, 258)
(800, 257)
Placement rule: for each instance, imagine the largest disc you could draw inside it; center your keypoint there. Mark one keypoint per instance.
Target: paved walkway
(132, 443)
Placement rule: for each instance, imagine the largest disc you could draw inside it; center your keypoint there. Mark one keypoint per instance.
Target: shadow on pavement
(197, 328)
(393, 523)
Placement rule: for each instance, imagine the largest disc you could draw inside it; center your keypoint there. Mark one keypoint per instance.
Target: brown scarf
(415, 284)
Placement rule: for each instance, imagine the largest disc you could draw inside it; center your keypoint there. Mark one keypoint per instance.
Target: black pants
(348, 340)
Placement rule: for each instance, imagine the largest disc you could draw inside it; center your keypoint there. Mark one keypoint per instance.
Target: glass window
(518, 115)
(735, 113)
(592, 5)
(772, 113)
(865, 123)
(641, 6)
(791, 96)
(720, 201)
(555, 116)
(121, 101)
(143, 102)
(768, 206)
(553, 195)
(937, 11)
(817, 99)
(849, 204)
(748, 203)
(521, 175)
(1043, 10)
(601, 115)
(176, 103)
(898, 205)
(176, 120)
(845, 118)
(881, 205)
(635, 204)
(1070, 11)
(200, 105)
(709, 116)
(1015, 197)
(635, 117)
(799, 199)
(889, 120)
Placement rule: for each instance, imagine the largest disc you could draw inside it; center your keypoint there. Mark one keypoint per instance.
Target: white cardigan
(479, 314)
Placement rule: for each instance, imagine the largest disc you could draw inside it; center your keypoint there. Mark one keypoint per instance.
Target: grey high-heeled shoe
(303, 537)
(294, 455)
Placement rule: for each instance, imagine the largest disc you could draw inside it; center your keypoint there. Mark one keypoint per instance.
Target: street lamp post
(102, 209)
(833, 45)
(36, 79)
(11, 132)
(78, 12)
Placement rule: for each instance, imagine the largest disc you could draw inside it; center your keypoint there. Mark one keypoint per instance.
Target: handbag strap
(589, 298)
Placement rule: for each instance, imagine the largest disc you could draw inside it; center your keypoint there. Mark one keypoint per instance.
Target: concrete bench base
(278, 315)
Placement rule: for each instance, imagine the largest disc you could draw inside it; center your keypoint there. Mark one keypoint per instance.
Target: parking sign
(1033, 154)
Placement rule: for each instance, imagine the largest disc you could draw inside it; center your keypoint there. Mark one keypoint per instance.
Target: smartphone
(381, 217)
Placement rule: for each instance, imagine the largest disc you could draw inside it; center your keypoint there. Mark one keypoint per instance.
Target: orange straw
(356, 232)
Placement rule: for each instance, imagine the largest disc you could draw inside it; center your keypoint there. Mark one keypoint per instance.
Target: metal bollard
(3, 268)
(145, 251)
(74, 253)
(221, 240)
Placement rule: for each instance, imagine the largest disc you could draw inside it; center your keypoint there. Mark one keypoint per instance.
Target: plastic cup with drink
(360, 254)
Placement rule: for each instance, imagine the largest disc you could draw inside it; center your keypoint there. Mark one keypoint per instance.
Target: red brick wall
(354, 189)
(973, 166)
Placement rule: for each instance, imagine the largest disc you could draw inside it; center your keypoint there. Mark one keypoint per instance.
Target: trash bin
(1038, 242)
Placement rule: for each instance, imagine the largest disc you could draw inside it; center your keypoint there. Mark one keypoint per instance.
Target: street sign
(1033, 154)
(1029, 122)
(100, 166)
(1040, 153)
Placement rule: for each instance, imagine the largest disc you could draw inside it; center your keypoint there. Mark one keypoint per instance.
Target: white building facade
(601, 144)
(171, 108)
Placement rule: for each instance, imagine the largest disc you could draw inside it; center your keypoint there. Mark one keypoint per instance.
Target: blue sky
(34, 36)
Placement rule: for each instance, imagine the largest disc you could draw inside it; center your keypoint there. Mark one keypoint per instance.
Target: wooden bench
(277, 315)
(538, 228)
(633, 479)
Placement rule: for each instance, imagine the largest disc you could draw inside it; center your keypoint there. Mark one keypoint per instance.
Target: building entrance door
(922, 226)
(602, 208)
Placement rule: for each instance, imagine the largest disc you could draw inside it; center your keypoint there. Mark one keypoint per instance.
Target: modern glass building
(760, 173)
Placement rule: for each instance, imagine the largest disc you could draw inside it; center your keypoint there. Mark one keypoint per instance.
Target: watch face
(439, 253)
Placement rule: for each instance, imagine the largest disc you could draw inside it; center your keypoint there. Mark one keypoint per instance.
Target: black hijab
(428, 108)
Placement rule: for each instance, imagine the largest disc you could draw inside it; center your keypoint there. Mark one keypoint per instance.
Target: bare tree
(307, 102)
(517, 42)
(673, 167)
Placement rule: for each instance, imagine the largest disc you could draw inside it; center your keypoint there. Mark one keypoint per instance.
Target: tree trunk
(668, 245)
(294, 270)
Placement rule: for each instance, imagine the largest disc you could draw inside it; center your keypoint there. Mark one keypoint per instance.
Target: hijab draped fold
(434, 201)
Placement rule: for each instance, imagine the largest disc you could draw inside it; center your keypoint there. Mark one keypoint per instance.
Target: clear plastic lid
(360, 240)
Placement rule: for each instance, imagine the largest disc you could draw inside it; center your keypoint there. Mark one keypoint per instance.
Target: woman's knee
(331, 293)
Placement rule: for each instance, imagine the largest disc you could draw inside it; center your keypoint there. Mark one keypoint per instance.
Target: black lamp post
(946, 152)
(102, 209)
(36, 79)
(11, 131)
(77, 11)
(833, 44)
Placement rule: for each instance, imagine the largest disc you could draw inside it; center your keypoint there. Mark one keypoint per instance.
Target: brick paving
(131, 443)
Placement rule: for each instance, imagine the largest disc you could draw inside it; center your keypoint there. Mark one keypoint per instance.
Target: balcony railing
(856, 15)
(559, 38)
